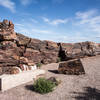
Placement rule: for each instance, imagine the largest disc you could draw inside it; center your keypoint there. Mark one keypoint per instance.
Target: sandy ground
(82, 87)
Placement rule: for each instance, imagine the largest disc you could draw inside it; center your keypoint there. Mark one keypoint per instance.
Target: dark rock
(33, 55)
(55, 80)
(71, 67)
(36, 45)
(49, 57)
(22, 40)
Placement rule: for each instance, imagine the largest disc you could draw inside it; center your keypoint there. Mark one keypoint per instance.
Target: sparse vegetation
(39, 65)
(43, 86)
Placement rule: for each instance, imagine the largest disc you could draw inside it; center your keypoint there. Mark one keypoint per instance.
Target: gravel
(82, 87)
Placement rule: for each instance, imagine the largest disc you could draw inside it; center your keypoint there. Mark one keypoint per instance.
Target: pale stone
(10, 81)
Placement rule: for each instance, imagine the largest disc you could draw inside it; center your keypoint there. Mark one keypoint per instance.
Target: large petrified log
(71, 67)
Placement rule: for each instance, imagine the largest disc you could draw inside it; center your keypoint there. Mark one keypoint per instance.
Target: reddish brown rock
(7, 31)
(23, 60)
(51, 46)
(17, 49)
(22, 40)
(0, 70)
(15, 70)
(49, 57)
(71, 67)
(33, 55)
(78, 50)
(37, 45)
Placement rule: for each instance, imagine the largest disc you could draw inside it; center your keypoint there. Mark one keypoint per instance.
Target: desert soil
(82, 87)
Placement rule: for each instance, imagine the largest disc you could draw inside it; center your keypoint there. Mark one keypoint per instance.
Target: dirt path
(83, 87)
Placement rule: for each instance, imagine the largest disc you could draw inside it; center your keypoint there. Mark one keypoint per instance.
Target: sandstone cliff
(17, 49)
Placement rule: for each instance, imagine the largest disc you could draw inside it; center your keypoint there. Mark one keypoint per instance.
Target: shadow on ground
(88, 94)
(54, 71)
(29, 87)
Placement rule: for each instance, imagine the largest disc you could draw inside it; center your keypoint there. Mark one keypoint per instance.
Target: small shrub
(58, 59)
(43, 86)
(39, 65)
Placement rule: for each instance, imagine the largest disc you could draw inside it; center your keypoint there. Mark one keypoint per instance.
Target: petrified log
(71, 67)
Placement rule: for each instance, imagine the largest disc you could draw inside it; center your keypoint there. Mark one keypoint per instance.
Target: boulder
(15, 70)
(71, 67)
(55, 80)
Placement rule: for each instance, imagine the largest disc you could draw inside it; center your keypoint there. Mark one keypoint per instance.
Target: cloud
(89, 19)
(17, 24)
(8, 4)
(85, 15)
(55, 22)
(83, 26)
(58, 1)
(33, 20)
(39, 31)
(27, 2)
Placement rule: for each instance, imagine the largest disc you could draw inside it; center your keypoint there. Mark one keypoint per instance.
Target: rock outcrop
(69, 51)
(71, 67)
(17, 49)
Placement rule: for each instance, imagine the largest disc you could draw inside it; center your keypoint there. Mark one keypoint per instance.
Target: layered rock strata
(17, 49)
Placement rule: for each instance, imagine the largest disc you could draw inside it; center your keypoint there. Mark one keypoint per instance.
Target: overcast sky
(57, 20)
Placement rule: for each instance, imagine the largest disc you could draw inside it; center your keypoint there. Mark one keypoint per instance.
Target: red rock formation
(71, 67)
(17, 49)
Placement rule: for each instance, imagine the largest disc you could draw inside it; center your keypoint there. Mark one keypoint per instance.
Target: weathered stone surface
(22, 40)
(55, 80)
(49, 57)
(9, 53)
(5, 70)
(0, 70)
(17, 49)
(15, 70)
(33, 55)
(23, 60)
(78, 50)
(7, 31)
(36, 45)
(8, 60)
(71, 67)
(51, 46)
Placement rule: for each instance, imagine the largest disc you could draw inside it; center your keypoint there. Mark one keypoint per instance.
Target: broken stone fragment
(15, 70)
(32, 67)
(71, 67)
(55, 80)
(24, 67)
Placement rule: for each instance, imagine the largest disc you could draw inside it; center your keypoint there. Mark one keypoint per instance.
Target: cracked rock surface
(15, 46)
